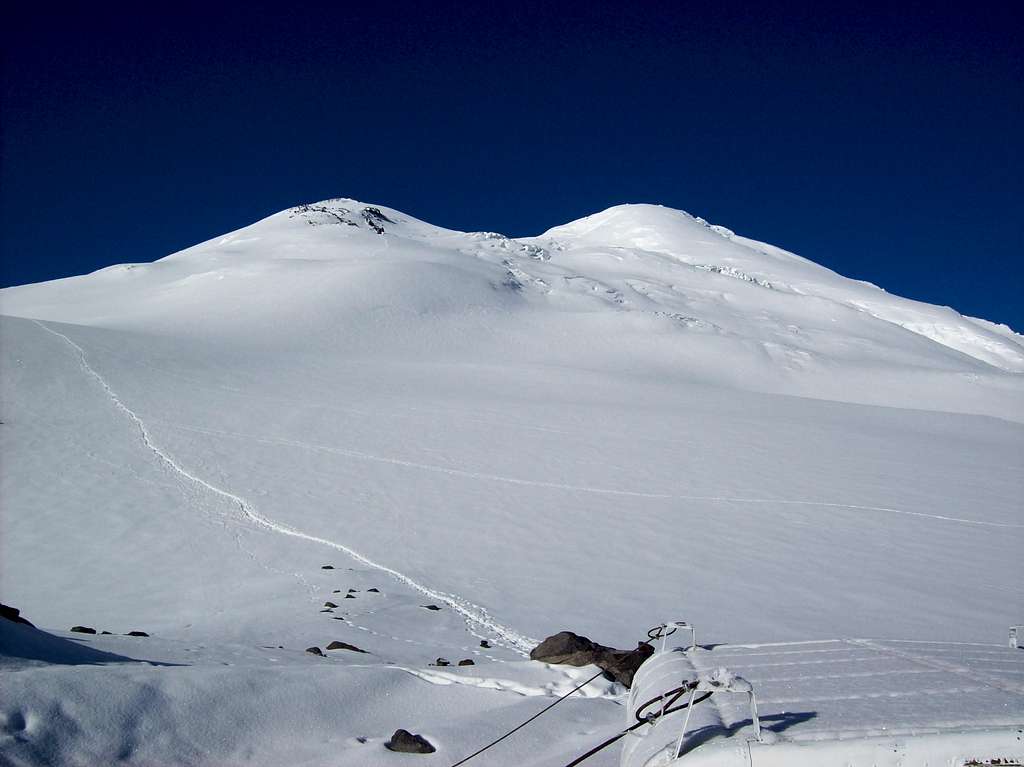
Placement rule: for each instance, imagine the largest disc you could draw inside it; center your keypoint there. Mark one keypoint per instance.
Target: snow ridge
(473, 614)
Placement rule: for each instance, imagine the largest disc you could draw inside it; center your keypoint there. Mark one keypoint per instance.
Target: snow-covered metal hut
(830, 703)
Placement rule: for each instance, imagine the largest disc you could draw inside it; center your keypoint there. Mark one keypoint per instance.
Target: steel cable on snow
(677, 693)
(642, 719)
(521, 726)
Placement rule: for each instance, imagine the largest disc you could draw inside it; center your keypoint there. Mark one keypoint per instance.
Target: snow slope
(630, 418)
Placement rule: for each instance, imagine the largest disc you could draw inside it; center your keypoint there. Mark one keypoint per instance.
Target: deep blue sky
(883, 143)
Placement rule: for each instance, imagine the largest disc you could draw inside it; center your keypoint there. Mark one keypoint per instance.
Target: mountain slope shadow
(20, 642)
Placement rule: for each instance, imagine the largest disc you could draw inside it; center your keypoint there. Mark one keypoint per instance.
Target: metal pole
(754, 717)
(686, 724)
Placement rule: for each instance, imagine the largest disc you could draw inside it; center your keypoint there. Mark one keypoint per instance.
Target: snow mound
(640, 226)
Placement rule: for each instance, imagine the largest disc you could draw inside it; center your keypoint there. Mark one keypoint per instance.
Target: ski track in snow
(572, 488)
(473, 614)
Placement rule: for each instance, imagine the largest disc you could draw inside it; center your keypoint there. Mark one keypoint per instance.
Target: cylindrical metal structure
(665, 670)
(708, 743)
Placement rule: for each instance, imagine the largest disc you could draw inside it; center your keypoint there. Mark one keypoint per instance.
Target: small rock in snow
(375, 591)
(466, 662)
(344, 646)
(430, 607)
(83, 630)
(137, 634)
(329, 604)
(405, 742)
(350, 596)
(485, 644)
(315, 651)
(441, 662)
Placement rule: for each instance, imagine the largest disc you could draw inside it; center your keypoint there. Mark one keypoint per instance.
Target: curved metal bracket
(717, 684)
(664, 630)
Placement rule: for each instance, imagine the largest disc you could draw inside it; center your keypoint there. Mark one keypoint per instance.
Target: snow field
(630, 419)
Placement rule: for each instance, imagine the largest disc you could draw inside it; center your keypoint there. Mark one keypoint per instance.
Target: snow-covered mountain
(637, 287)
(633, 417)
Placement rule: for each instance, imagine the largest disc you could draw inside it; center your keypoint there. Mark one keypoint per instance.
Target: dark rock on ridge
(622, 665)
(567, 648)
(375, 219)
(12, 614)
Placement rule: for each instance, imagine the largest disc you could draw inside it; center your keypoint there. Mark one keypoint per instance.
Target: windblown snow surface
(632, 418)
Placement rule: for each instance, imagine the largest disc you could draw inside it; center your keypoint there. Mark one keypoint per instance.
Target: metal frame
(664, 630)
(710, 685)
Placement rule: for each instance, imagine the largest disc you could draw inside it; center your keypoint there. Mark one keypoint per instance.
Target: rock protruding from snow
(336, 645)
(83, 630)
(407, 743)
(12, 614)
(375, 219)
(351, 213)
(567, 648)
(622, 665)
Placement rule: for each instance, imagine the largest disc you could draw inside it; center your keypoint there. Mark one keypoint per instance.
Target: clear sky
(884, 142)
